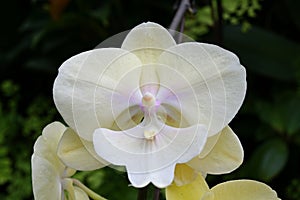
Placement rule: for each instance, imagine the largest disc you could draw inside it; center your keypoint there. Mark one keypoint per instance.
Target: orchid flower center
(150, 123)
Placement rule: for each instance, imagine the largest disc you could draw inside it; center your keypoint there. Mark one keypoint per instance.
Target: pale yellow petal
(45, 179)
(226, 156)
(147, 41)
(192, 191)
(73, 153)
(46, 145)
(90, 148)
(184, 174)
(209, 145)
(52, 134)
(243, 190)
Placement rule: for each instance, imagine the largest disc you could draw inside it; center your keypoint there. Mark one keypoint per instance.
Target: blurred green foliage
(37, 36)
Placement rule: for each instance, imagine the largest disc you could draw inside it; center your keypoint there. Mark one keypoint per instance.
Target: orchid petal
(128, 118)
(45, 179)
(46, 145)
(209, 145)
(147, 41)
(184, 174)
(226, 155)
(90, 148)
(160, 178)
(173, 99)
(52, 134)
(216, 77)
(192, 191)
(73, 153)
(243, 190)
(89, 81)
(143, 156)
(149, 81)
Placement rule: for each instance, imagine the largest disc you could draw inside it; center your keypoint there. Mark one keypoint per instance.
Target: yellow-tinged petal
(184, 174)
(209, 145)
(42, 150)
(243, 190)
(90, 148)
(73, 153)
(226, 155)
(192, 191)
(45, 179)
(46, 145)
(50, 138)
(147, 41)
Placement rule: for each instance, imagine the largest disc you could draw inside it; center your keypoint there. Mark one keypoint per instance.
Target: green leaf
(5, 163)
(264, 52)
(269, 159)
(270, 114)
(230, 5)
(283, 115)
(292, 116)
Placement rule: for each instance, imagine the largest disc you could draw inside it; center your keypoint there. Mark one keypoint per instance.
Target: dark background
(37, 36)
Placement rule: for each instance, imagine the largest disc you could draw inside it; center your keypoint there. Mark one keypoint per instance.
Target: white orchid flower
(51, 178)
(152, 103)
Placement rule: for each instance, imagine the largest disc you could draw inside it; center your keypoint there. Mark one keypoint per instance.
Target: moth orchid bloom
(151, 103)
(230, 190)
(50, 176)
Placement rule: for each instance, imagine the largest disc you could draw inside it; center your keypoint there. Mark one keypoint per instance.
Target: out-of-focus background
(37, 36)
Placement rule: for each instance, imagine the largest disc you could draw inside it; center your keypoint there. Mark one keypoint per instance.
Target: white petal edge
(160, 178)
(141, 156)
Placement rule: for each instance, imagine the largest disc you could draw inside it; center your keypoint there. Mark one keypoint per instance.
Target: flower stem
(142, 194)
(184, 5)
(156, 194)
(91, 193)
